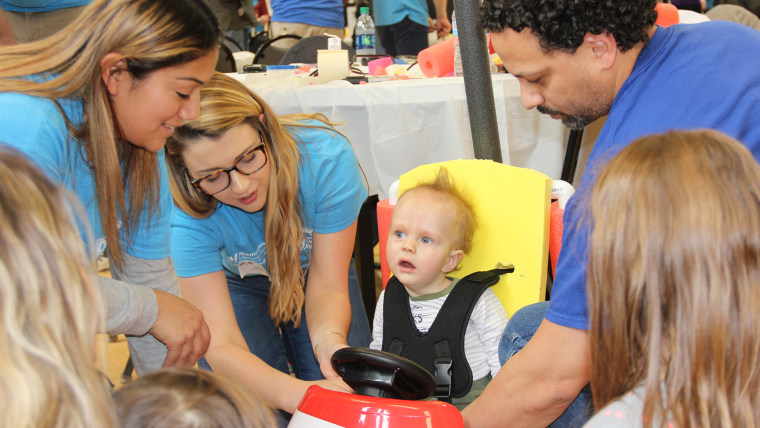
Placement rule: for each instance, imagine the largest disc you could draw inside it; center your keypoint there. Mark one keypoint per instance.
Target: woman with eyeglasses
(263, 239)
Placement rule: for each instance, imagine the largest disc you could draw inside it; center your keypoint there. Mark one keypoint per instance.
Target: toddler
(424, 315)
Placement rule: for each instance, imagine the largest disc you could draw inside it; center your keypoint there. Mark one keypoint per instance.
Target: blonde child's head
(431, 229)
(49, 306)
(463, 222)
(190, 398)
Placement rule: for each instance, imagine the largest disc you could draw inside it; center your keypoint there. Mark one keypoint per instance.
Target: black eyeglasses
(249, 163)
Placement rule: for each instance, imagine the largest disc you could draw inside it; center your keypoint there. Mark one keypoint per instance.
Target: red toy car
(388, 393)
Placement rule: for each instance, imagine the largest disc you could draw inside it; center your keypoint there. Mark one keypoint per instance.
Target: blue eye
(426, 240)
(399, 234)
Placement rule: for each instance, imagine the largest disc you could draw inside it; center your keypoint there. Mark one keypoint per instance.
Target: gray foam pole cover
(477, 81)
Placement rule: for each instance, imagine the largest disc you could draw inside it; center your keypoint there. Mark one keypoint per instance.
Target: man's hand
(443, 26)
(180, 326)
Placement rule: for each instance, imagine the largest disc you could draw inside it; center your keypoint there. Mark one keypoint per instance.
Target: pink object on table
(380, 62)
(437, 60)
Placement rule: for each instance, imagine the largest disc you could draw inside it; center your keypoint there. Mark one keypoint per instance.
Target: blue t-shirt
(687, 77)
(391, 12)
(41, 5)
(331, 192)
(320, 13)
(35, 126)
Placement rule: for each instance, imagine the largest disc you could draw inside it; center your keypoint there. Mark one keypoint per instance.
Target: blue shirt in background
(389, 12)
(320, 13)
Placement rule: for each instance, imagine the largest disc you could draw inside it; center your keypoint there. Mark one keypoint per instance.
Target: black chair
(305, 50)
(232, 44)
(270, 54)
(258, 40)
(226, 61)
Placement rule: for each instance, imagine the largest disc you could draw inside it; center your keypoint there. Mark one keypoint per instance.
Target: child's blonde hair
(465, 221)
(190, 398)
(49, 307)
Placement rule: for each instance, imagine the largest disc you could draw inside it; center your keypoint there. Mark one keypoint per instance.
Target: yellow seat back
(512, 208)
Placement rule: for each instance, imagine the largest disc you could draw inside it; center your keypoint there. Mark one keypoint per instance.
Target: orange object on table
(437, 60)
(667, 15)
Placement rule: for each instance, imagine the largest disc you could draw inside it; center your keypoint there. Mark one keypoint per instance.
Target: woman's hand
(181, 327)
(334, 385)
(325, 348)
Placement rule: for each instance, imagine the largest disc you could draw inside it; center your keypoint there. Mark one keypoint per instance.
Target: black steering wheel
(382, 374)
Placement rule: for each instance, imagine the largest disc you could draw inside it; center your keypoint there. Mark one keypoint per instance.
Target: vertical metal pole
(477, 81)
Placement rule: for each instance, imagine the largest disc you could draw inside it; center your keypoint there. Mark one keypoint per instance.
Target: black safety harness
(441, 349)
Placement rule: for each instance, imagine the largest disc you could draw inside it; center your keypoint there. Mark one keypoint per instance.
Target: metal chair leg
(126, 375)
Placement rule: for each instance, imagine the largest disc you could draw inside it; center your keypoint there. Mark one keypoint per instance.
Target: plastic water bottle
(457, 53)
(365, 34)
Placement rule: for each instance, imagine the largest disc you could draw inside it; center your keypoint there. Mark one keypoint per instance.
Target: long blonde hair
(674, 280)
(226, 103)
(151, 35)
(190, 398)
(49, 307)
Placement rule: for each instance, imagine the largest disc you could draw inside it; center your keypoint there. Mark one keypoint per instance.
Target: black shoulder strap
(451, 325)
(445, 338)
(398, 324)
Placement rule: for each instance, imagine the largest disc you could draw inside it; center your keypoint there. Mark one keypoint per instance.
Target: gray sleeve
(625, 412)
(130, 309)
(146, 352)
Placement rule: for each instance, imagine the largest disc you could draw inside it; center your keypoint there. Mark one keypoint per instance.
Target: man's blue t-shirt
(35, 126)
(320, 13)
(391, 12)
(687, 77)
(331, 192)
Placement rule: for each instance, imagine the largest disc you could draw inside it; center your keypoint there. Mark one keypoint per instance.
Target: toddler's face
(420, 248)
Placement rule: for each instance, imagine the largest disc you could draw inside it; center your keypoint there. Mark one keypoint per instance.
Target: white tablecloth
(395, 126)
